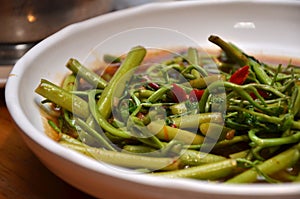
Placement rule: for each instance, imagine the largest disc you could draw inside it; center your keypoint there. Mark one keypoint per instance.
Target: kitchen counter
(22, 175)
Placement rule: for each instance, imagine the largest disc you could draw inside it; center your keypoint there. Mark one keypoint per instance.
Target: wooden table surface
(22, 175)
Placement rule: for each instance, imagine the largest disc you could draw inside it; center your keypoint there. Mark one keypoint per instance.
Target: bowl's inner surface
(264, 33)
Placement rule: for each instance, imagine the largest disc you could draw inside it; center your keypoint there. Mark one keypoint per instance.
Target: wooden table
(22, 175)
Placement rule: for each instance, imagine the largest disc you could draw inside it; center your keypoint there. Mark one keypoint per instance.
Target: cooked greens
(234, 121)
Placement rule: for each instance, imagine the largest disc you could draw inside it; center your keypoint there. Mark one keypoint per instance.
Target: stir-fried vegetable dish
(224, 117)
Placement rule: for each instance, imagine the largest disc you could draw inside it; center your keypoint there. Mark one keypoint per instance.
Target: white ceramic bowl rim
(13, 104)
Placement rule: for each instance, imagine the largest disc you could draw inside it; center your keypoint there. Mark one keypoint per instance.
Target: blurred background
(24, 23)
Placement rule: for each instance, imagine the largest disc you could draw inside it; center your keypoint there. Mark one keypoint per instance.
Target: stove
(9, 55)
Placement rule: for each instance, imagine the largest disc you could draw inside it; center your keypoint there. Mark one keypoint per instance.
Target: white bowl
(264, 27)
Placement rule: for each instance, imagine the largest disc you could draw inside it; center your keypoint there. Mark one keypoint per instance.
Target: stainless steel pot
(32, 20)
(25, 22)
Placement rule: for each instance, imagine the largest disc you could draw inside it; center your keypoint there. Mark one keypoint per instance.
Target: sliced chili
(240, 75)
(195, 95)
(154, 86)
(179, 94)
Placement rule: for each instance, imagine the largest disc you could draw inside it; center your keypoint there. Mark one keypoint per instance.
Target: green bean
(70, 83)
(139, 149)
(295, 101)
(54, 126)
(237, 55)
(269, 142)
(236, 124)
(238, 89)
(76, 67)
(111, 59)
(194, 158)
(221, 144)
(215, 131)
(102, 121)
(267, 118)
(272, 102)
(193, 121)
(170, 149)
(135, 99)
(230, 50)
(266, 88)
(205, 96)
(193, 56)
(270, 166)
(140, 132)
(211, 171)
(276, 75)
(132, 60)
(284, 176)
(260, 73)
(193, 59)
(194, 71)
(63, 98)
(68, 117)
(98, 137)
(145, 93)
(124, 159)
(203, 82)
(168, 133)
(240, 154)
(66, 138)
(179, 109)
(90, 121)
(261, 116)
(158, 94)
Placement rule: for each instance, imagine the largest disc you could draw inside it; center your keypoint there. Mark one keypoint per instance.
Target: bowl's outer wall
(276, 32)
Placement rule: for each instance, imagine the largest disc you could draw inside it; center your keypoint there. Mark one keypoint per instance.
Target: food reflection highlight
(179, 117)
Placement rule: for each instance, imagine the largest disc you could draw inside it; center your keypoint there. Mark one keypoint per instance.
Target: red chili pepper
(179, 95)
(264, 94)
(240, 76)
(153, 85)
(173, 125)
(195, 95)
